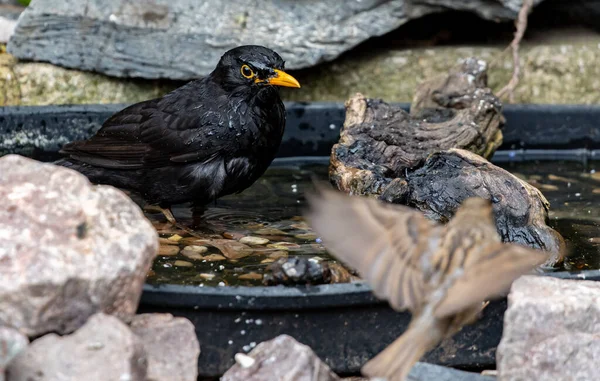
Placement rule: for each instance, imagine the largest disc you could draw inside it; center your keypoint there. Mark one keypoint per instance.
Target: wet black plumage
(209, 138)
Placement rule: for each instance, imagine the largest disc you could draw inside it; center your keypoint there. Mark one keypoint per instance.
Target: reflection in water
(243, 234)
(573, 190)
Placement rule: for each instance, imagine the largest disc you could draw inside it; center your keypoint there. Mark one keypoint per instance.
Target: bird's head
(253, 67)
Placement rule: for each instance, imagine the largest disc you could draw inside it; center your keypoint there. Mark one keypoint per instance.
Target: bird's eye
(247, 72)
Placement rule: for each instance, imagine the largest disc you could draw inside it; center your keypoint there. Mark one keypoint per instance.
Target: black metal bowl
(344, 323)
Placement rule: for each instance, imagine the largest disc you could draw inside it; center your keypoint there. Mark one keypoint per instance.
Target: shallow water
(573, 190)
(272, 208)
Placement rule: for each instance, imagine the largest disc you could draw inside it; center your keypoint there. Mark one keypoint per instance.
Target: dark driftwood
(447, 178)
(453, 111)
(434, 157)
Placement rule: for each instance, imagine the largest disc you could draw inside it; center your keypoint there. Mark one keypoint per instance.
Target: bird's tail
(98, 175)
(395, 362)
(64, 163)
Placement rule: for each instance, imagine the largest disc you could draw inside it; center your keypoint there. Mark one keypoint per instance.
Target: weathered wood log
(435, 157)
(453, 111)
(446, 179)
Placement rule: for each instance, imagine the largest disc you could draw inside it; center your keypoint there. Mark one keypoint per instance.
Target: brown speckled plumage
(442, 274)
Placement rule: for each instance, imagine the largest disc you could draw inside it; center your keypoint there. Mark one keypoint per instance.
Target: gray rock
(183, 39)
(104, 349)
(427, 372)
(171, 346)
(422, 371)
(282, 358)
(12, 342)
(551, 330)
(69, 249)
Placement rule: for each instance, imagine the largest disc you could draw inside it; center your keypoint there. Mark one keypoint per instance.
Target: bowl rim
(286, 297)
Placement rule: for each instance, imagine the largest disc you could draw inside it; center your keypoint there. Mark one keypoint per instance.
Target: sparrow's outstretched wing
(489, 274)
(383, 242)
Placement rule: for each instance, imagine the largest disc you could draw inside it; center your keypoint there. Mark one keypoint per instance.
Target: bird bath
(555, 148)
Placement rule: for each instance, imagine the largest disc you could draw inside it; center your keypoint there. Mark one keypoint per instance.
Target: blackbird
(442, 274)
(209, 138)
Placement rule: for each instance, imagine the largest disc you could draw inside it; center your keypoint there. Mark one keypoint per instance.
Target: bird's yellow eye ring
(246, 71)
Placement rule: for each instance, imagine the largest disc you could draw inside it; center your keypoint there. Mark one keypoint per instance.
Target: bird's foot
(205, 226)
(199, 221)
(171, 218)
(168, 215)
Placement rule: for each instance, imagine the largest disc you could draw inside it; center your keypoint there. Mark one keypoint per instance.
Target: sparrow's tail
(395, 362)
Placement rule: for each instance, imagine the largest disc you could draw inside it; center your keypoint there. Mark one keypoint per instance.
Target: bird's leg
(199, 222)
(168, 215)
(171, 218)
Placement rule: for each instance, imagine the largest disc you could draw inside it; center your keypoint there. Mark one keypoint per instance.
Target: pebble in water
(231, 249)
(300, 226)
(180, 263)
(545, 187)
(560, 178)
(165, 241)
(194, 252)
(232, 235)
(251, 276)
(249, 240)
(306, 236)
(192, 255)
(270, 231)
(284, 245)
(196, 248)
(192, 241)
(596, 190)
(207, 276)
(168, 250)
(175, 237)
(278, 254)
(214, 257)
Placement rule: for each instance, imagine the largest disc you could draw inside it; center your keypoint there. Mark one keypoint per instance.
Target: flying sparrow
(443, 274)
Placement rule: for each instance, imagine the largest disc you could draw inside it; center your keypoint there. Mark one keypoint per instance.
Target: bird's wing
(383, 242)
(147, 135)
(489, 274)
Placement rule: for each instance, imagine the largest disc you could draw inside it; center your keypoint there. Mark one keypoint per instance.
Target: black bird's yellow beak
(282, 78)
